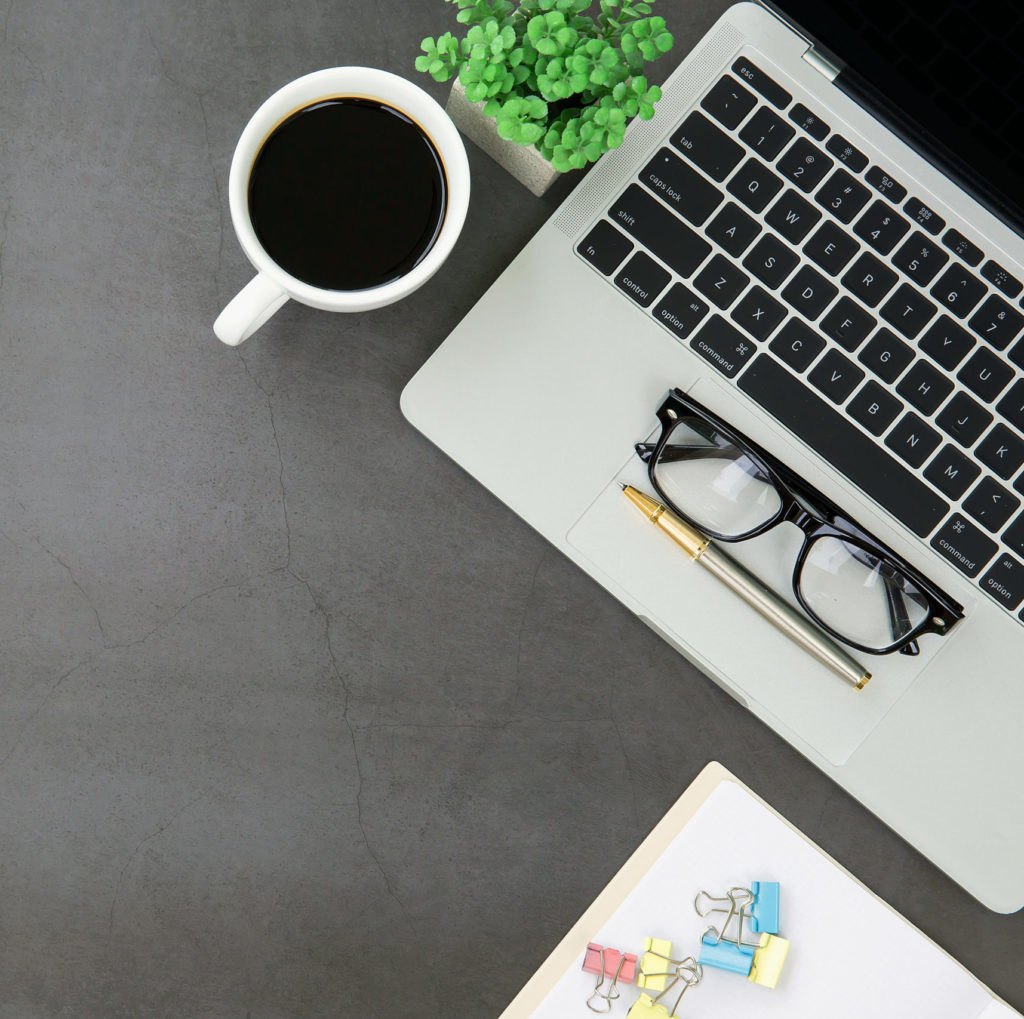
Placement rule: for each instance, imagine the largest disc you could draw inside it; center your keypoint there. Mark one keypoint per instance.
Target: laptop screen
(953, 70)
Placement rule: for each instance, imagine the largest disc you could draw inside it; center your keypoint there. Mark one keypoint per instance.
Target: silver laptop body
(556, 353)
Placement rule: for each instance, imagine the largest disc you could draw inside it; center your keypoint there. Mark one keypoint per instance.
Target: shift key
(663, 233)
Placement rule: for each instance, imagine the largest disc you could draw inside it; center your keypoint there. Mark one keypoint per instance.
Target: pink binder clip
(607, 963)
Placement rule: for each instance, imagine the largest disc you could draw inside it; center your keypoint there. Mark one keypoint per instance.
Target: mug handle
(249, 309)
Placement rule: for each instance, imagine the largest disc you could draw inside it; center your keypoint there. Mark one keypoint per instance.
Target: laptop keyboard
(843, 306)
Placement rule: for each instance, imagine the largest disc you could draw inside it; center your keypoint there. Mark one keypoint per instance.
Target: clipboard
(851, 953)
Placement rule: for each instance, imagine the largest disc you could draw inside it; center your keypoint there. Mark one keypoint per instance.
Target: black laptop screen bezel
(870, 78)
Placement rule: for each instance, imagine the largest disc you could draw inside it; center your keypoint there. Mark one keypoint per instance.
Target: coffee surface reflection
(347, 194)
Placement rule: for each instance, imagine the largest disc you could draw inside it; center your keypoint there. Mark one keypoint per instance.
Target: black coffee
(347, 194)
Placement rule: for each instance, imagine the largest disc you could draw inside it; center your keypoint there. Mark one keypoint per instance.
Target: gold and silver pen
(779, 613)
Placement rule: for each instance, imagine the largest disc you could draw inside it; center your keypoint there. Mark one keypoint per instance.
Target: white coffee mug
(272, 285)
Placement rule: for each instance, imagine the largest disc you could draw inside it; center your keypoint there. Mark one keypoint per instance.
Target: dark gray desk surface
(295, 718)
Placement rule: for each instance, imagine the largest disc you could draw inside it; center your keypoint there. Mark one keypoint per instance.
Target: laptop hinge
(821, 63)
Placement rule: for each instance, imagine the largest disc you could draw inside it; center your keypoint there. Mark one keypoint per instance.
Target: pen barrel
(783, 616)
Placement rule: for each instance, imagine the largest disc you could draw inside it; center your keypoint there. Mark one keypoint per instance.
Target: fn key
(604, 247)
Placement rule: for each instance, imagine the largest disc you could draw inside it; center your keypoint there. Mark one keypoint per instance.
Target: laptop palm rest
(711, 626)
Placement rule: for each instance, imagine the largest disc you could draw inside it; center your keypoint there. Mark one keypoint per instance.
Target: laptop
(818, 238)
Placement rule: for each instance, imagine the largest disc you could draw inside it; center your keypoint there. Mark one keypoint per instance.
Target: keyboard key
(962, 247)
(664, 233)
(886, 355)
(835, 376)
(925, 387)
(913, 440)
(771, 261)
(733, 229)
(804, 165)
(642, 278)
(766, 133)
(809, 292)
(847, 323)
(924, 216)
(758, 313)
(946, 343)
(792, 216)
(810, 122)
(605, 248)
(843, 196)
(957, 290)
(996, 322)
(1011, 406)
(754, 184)
(846, 153)
(1001, 279)
(874, 407)
(728, 102)
(723, 345)
(707, 146)
(831, 248)
(964, 545)
(991, 504)
(908, 310)
(881, 227)
(721, 281)
(842, 445)
(1002, 450)
(951, 472)
(797, 344)
(869, 279)
(1016, 353)
(1005, 581)
(920, 258)
(885, 185)
(681, 310)
(1013, 536)
(679, 185)
(963, 420)
(760, 82)
(985, 375)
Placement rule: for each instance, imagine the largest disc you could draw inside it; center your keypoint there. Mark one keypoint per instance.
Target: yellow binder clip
(654, 969)
(684, 971)
(768, 960)
(645, 1008)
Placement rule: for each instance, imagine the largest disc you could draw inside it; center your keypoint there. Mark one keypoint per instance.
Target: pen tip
(623, 487)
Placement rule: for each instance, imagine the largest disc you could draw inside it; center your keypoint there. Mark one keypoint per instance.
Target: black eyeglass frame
(815, 514)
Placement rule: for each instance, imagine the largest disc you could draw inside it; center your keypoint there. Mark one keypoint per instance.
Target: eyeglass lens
(845, 586)
(858, 595)
(713, 482)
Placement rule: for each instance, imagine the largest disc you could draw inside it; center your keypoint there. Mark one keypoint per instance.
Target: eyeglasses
(849, 583)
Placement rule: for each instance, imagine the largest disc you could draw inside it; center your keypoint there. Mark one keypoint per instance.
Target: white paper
(850, 955)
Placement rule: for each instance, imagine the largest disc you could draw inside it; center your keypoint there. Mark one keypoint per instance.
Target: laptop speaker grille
(617, 165)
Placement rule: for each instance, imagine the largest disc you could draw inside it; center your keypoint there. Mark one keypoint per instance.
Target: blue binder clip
(764, 913)
(727, 955)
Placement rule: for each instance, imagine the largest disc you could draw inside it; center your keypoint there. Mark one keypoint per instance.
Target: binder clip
(685, 971)
(769, 958)
(602, 962)
(764, 913)
(760, 962)
(653, 973)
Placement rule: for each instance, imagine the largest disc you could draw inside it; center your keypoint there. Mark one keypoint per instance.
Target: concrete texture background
(296, 719)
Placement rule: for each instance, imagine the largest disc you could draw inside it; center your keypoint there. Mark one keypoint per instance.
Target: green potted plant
(541, 85)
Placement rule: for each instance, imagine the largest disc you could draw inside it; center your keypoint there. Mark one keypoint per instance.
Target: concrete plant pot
(524, 162)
